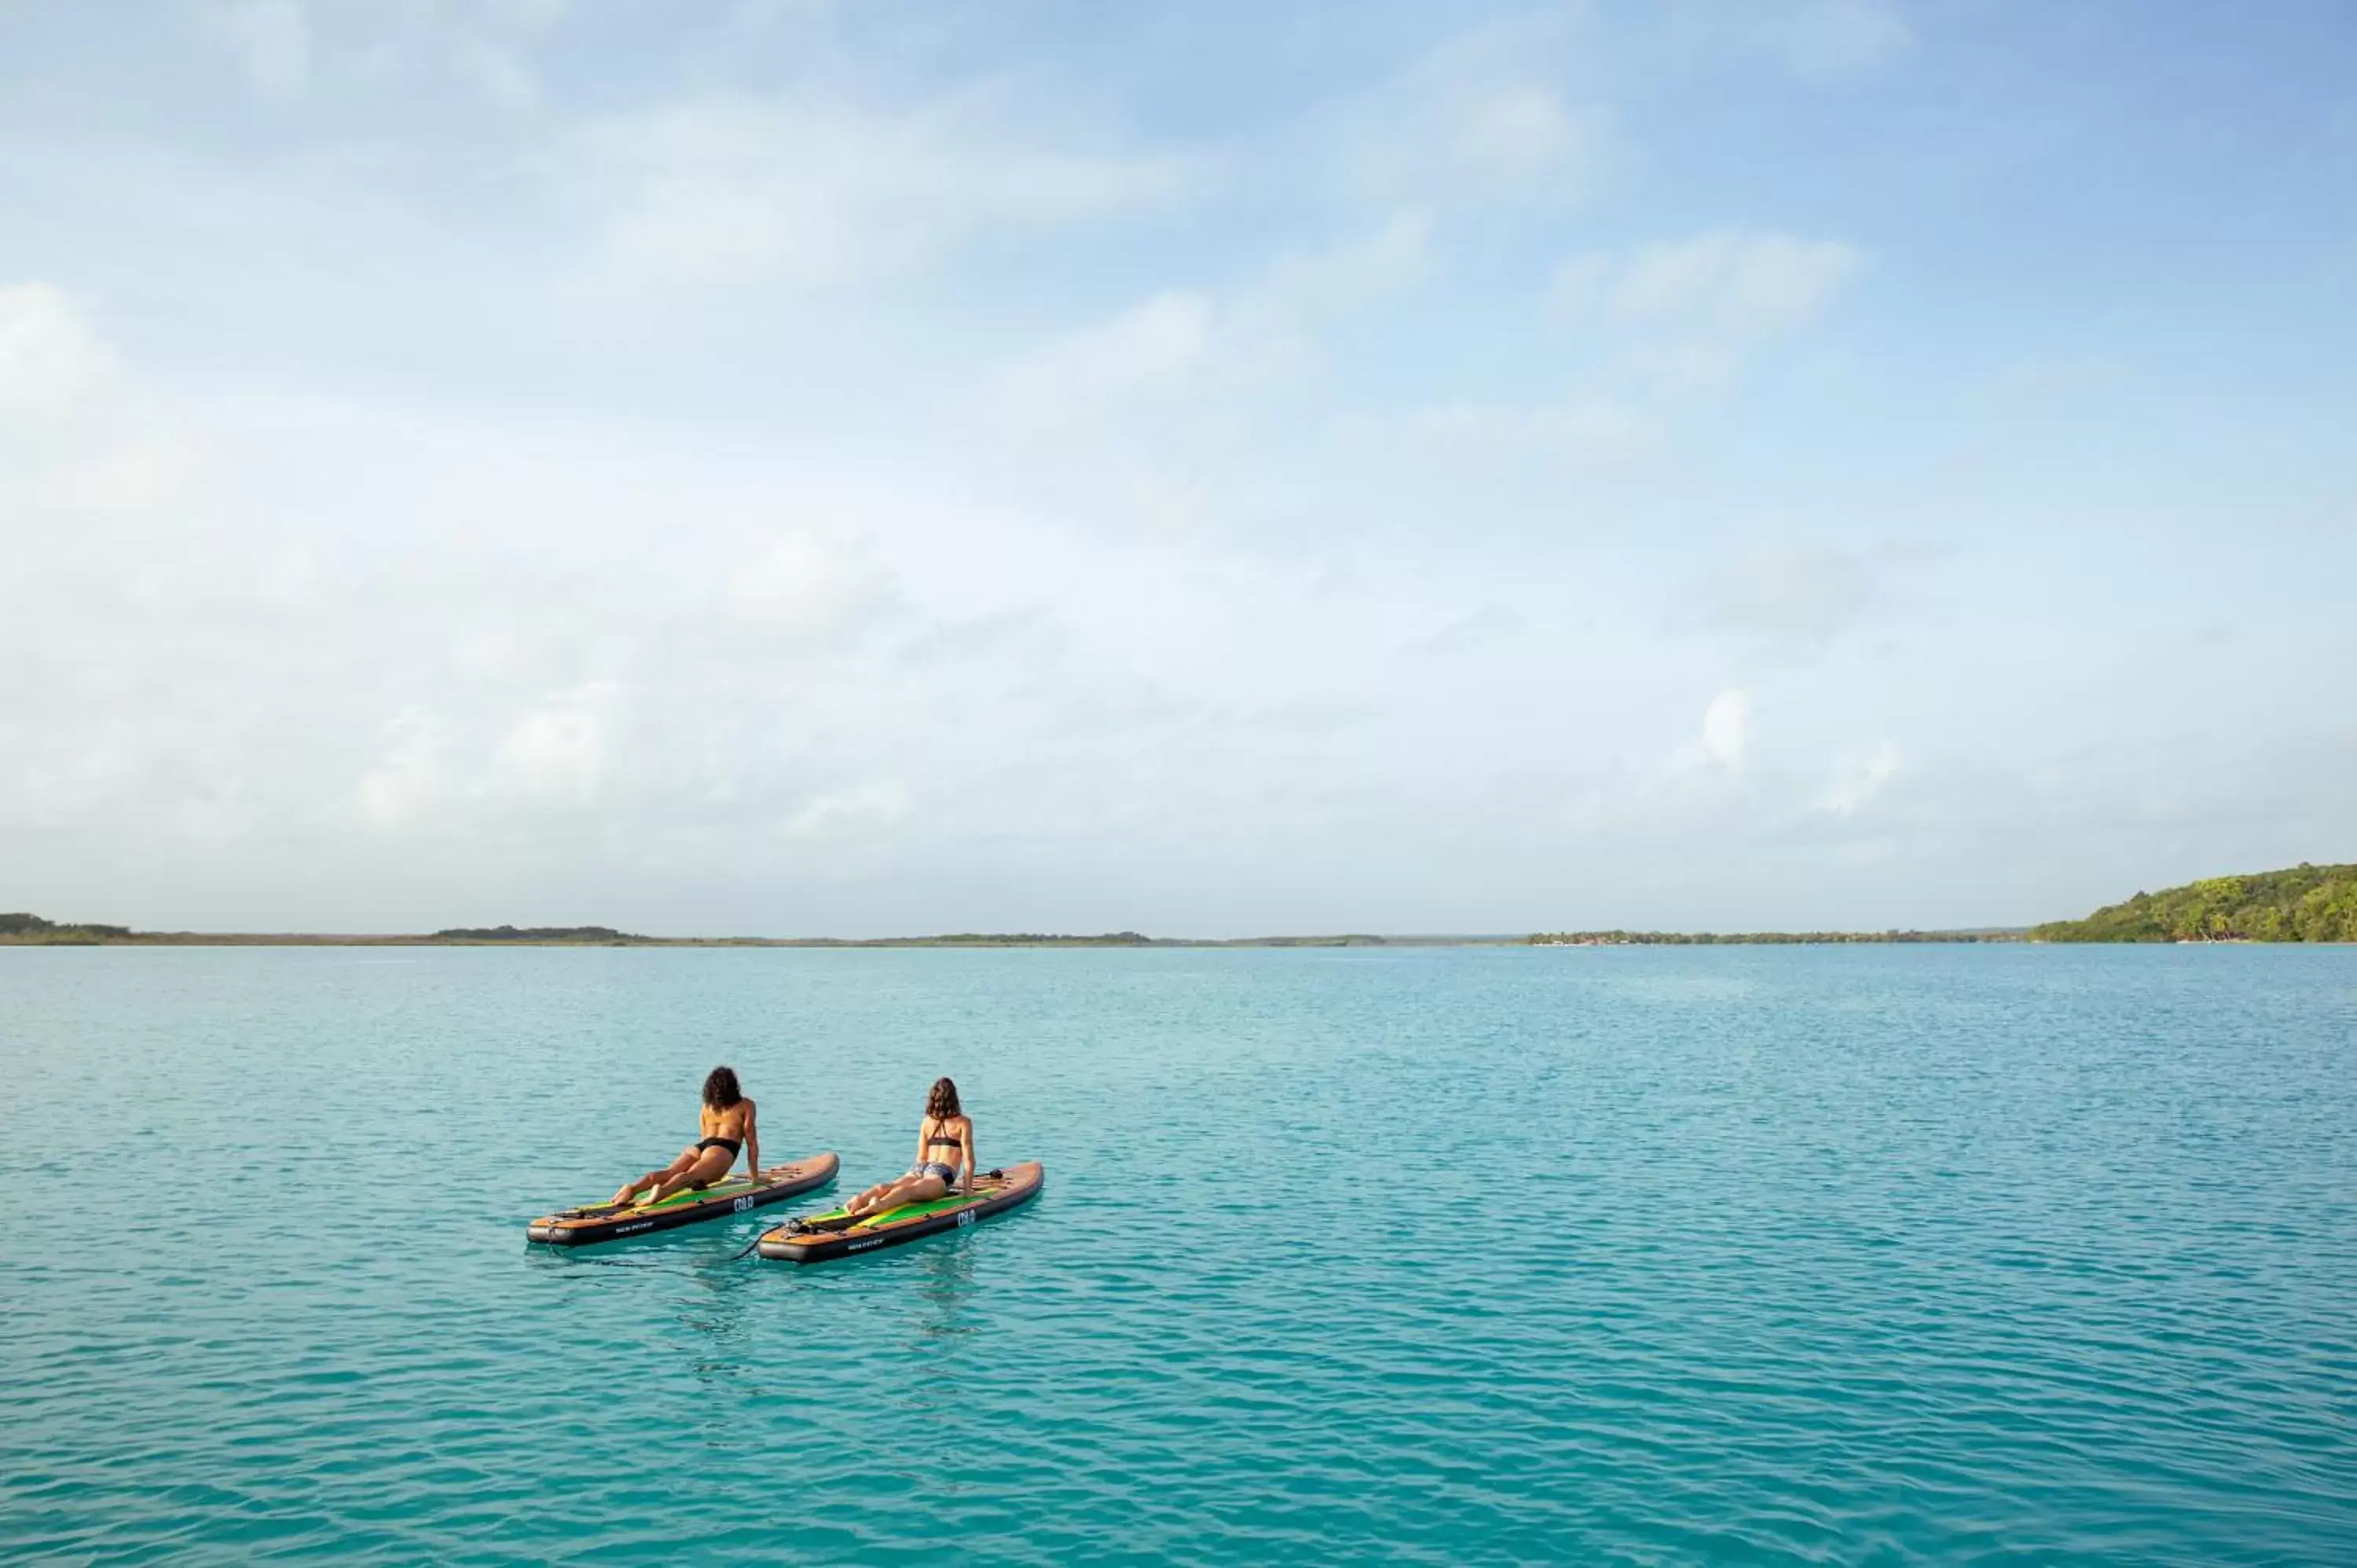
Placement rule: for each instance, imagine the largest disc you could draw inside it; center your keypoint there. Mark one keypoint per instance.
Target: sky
(1202, 468)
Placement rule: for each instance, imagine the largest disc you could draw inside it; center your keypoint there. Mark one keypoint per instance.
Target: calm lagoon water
(1447, 1256)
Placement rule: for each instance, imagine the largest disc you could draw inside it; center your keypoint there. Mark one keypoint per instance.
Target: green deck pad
(729, 1189)
(913, 1211)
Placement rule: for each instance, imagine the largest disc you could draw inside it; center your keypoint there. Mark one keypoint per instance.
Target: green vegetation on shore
(987, 940)
(535, 934)
(25, 930)
(2306, 904)
(33, 930)
(1755, 938)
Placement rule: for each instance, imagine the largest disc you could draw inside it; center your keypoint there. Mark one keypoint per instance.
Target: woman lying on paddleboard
(727, 1124)
(945, 1131)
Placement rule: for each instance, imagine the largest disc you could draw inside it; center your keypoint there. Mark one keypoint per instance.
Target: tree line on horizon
(2304, 904)
(535, 934)
(1754, 939)
(24, 928)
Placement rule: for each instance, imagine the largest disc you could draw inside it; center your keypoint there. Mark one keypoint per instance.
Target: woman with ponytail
(944, 1154)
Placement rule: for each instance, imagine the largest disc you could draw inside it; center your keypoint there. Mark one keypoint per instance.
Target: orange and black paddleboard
(815, 1237)
(611, 1222)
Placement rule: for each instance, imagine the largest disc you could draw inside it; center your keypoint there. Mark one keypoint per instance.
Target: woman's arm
(753, 1140)
(966, 1139)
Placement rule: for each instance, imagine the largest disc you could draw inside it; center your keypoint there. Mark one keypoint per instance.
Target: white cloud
(1693, 311)
(1523, 132)
(807, 588)
(134, 473)
(1481, 628)
(411, 777)
(484, 43)
(1790, 601)
(1685, 317)
(733, 191)
(1491, 117)
(1358, 272)
(558, 752)
(1725, 738)
(1858, 775)
(1589, 434)
(1746, 286)
(526, 14)
(1577, 291)
(273, 40)
(761, 543)
(50, 360)
(1833, 41)
(1152, 347)
(1185, 340)
(1450, 145)
(498, 74)
(862, 811)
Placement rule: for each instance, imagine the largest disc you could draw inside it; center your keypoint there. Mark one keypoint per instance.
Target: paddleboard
(995, 1194)
(611, 1222)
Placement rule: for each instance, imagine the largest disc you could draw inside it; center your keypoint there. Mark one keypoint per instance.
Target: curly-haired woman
(727, 1123)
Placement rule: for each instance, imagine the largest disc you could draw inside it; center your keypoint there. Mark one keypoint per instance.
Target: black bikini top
(940, 1136)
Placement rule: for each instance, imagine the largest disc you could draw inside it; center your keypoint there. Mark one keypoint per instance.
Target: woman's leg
(687, 1158)
(892, 1194)
(707, 1166)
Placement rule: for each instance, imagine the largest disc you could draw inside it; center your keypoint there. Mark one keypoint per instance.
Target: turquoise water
(1445, 1256)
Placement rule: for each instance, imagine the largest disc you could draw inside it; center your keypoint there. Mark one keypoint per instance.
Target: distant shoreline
(2028, 937)
(78, 936)
(2307, 903)
(309, 939)
(49, 934)
(1770, 938)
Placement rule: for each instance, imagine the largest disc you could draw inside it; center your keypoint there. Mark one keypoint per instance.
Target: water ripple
(1443, 1257)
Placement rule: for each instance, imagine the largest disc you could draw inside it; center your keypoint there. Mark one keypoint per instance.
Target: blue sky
(798, 468)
